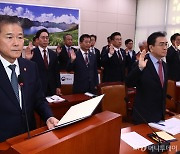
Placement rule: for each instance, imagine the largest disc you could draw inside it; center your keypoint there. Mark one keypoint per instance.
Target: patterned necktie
(45, 59)
(86, 58)
(14, 81)
(160, 72)
(69, 51)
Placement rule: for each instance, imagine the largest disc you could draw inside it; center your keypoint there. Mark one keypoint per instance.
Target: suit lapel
(23, 73)
(5, 85)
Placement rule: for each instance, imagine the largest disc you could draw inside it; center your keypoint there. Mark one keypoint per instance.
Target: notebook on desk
(80, 111)
(77, 112)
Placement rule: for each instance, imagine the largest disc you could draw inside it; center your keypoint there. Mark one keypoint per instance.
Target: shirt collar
(41, 49)
(153, 59)
(83, 52)
(7, 63)
(117, 49)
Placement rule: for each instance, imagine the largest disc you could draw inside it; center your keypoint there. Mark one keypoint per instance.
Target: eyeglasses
(163, 44)
(44, 37)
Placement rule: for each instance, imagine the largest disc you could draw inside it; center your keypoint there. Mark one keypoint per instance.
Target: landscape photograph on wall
(58, 21)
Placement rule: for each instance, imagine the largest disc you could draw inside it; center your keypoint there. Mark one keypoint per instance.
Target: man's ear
(150, 47)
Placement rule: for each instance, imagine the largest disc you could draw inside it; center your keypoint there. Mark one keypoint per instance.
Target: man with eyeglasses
(47, 62)
(113, 60)
(173, 58)
(149, 76)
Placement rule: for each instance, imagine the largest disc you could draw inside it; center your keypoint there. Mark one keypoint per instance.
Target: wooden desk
(99, 134)
(178, 93)
(143, 130)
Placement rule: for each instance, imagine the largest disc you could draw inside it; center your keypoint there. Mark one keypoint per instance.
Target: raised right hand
(142, 62)
(73, 55)
(111, 49)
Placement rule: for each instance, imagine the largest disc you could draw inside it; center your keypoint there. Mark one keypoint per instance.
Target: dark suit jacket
(85, 78)
(50, 77)
(63, 58)
(173, 63)
(12, 116)
(130, 60)
(150, 96)
(114, 68)
(98, 58)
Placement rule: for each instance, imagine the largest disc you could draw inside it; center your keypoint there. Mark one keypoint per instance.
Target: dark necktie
(86, 58)
(119, 55)
(93, 51)
(69, 51)
(160, 72)
(45, 59)
(14, 81)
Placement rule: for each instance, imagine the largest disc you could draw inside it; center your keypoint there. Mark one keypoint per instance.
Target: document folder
(77, 112)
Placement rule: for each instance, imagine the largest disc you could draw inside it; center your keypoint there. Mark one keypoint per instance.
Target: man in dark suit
(106, 47)
(47, 62)
(12, 104)
(130, 54)
(84, 65)
(173, 58)
(95, 51)
(64, 51)
(149, 76)
(113, 60)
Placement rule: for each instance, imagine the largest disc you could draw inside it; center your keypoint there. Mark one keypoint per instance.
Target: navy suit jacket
(114, 67)
(130, 60)
(63, 58)
(12, 116)
(85, 78)
(50, 77)
(173, 62)
(150, 95)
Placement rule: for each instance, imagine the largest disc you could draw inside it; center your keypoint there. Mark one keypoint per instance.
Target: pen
(161, 124)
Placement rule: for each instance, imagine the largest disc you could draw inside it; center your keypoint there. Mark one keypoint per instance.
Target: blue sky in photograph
(41, 13)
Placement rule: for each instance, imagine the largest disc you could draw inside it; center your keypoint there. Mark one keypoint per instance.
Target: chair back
(171, 90)
(114, 97)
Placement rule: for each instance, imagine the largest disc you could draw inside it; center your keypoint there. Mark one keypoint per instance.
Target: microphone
(21, 84)
(154, 148)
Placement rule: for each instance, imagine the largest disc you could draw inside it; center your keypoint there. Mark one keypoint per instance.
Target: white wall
(99, 17)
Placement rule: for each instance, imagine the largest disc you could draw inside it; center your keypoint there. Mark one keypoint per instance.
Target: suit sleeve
(41, 105)
(134, 76)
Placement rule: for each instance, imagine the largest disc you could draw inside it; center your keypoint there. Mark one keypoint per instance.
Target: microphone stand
(154, 148)
(21, 84)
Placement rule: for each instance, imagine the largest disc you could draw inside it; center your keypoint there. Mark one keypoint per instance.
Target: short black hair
(5, 19)
(38, 33)
(81, 39)
(151, 40)
(108, 39)
(34, 38)
(114, 34)
(173, 37)
(64, 36)
(94, 36)
(128, 40)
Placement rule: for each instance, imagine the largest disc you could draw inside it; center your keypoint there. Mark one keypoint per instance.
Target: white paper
(135, 140)
(171, 126)
(89, 94)
(55, 98)
(178, 83)
(81, 110)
